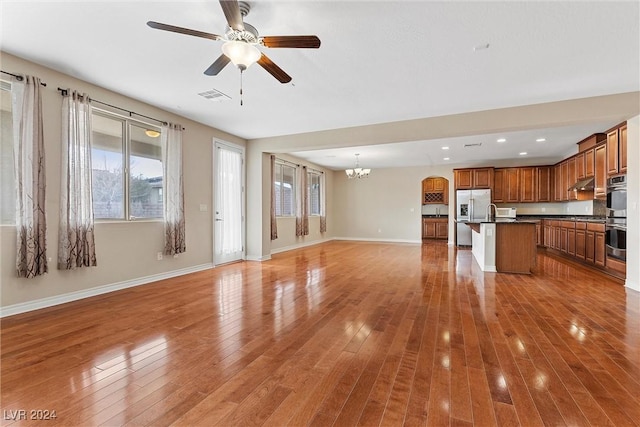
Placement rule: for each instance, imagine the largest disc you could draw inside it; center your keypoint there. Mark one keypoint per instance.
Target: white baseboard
(24, 307)
(300, 245)
(258, 258)
(364, 239)
(633, 286)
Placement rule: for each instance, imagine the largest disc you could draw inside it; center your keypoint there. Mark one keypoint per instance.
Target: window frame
(309, 183)
(126, 122)
(280, 165)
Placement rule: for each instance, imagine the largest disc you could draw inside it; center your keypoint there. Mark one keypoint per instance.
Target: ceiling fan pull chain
(240, 87)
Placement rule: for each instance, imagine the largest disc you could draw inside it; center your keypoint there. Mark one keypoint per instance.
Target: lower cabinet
(584, 241)
(435, 228)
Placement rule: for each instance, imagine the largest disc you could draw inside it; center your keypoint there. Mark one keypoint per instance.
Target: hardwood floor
(342, 333)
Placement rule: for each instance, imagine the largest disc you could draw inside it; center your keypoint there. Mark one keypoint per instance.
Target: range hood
(583, 185)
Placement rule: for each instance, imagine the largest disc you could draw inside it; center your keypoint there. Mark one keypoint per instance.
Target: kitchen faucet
(489, 216)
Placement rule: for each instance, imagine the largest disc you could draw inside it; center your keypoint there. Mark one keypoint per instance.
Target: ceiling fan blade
(231, 11)
(273, 69)
(187, 31)
(217, 66)
(309, 42)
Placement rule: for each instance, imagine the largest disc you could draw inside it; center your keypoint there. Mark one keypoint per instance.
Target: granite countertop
(580, 218)
(503, 221)
(434, 216)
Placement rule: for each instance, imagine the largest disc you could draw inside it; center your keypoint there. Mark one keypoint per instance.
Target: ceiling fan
(241, 40)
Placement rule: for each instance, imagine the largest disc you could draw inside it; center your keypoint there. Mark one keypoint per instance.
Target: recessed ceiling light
(540, 140)
(446, 158)
(502, 140)
(524, 153)
(445, 148)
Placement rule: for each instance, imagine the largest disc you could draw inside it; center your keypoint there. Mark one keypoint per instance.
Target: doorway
(228, 230)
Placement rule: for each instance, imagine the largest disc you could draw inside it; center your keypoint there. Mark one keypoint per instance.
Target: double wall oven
(616, 227)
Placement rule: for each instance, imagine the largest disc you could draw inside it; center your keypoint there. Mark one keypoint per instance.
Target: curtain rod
(287, 161)
(65, 92)
(297, 165)
(19, 77)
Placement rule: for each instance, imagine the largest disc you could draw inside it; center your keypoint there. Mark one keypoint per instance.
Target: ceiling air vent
(477, 144)
(214, 95)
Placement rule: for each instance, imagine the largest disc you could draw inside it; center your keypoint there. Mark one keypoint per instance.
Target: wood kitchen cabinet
(435, 228)
(580, 168)
(527, 184)
(600, 172)
(564, 166)
(467, 179)
(543, 184)
(512, 185)
(600, 249)
(435, 190)
(571, 239)
(595, 251)
(547, 233)
(557, 183)
(622, 145)
(589, 162)
(571, 178)
(612, 152)
(498, 193)
(617, 150)
(581, 239)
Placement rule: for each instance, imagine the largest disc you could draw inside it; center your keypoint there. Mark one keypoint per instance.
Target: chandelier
(357, 172)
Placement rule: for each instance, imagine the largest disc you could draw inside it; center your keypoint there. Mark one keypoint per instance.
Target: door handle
(217, 219)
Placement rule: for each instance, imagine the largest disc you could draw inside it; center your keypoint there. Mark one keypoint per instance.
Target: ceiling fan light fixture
(241, 54)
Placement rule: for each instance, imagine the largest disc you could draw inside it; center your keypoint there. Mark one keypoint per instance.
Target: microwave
(505, 212)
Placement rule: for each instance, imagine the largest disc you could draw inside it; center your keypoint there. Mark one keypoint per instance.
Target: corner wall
(633, 204)
(126, 251)
(387, 205)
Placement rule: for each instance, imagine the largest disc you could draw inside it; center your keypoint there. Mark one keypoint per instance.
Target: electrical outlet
(544, 209)
(203, 208)
(159, 256)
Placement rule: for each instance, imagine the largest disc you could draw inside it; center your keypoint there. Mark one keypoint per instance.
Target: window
(7, 177)
(285, 190)
(313, 178)
(127, 170)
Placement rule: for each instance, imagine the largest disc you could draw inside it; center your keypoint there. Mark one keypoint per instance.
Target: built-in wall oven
(616, 227)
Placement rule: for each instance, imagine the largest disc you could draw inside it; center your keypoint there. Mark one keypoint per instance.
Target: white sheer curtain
(323, 203)
(76, 244)
(29, 161)
(229, 201)
(302, 203)
(274, 222)
(174, 225)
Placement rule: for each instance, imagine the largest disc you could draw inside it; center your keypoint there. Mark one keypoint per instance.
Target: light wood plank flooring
(342, 333)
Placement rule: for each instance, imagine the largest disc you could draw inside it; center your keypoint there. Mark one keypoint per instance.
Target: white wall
(387, 205)
(633, 203)
(287, 238)
(126, 251)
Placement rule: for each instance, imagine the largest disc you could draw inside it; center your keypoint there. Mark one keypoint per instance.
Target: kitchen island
(504, 246)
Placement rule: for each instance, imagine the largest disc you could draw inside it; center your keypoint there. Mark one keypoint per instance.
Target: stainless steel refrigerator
(471, 206)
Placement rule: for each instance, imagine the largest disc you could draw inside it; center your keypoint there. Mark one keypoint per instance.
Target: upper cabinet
(435, 190)
(467, 179)
(617, 150)
(600, 184)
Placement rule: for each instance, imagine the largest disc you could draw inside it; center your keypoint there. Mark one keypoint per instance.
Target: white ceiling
(379, 62)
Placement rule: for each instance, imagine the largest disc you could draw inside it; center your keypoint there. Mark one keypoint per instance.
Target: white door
(228, 203)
